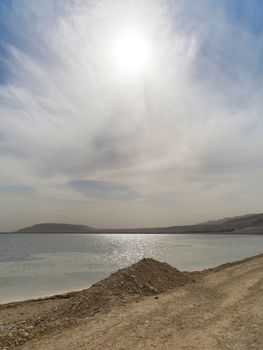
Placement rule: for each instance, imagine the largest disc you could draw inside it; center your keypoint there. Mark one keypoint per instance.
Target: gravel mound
(146, 277)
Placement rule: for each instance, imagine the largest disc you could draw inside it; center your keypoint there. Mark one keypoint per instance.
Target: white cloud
(187, 129)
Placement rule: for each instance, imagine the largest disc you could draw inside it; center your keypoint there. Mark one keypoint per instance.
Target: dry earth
(221, 309)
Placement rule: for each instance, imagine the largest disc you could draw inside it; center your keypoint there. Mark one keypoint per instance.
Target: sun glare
(131, 53)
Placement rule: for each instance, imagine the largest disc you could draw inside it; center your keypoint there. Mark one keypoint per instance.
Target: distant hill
(55, 228)
(247, 224)
(241, 221)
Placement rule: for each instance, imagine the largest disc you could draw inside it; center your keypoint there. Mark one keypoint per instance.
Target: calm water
(33, 265)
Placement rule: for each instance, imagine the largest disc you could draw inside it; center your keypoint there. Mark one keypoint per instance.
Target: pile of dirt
(146, 277)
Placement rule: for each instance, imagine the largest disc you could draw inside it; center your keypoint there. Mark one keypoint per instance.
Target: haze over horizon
(130, 114)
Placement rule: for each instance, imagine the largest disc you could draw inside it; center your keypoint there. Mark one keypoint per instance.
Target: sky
(130, 113)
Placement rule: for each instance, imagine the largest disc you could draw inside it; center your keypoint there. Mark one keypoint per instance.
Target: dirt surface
(220, 308)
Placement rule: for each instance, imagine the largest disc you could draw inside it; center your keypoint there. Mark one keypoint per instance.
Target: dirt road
(223, 309)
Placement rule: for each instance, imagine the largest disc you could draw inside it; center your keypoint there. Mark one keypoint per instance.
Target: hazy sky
(169, 132)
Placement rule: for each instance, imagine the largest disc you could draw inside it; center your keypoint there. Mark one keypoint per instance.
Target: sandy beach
(149, 305)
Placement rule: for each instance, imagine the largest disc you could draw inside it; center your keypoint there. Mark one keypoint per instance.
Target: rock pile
(146, 277)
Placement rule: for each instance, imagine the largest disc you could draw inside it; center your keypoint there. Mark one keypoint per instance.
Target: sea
(38, 265)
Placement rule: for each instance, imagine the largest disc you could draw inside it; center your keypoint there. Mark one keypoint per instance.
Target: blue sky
(81, 142)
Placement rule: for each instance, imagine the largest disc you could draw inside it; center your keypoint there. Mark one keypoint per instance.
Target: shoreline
(143, 232)
(71, 293)
(147, 305)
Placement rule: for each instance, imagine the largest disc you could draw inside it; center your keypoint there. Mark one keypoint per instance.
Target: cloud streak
(191, 130)
(103, 190)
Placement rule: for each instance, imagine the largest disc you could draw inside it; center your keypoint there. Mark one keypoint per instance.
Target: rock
(25, 334)
(152, 289)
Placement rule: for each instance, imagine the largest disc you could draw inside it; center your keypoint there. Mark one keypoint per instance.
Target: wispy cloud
(189, 131)
(103, 190)
(16, 189)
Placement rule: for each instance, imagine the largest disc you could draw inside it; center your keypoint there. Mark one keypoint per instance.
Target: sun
(131, 53)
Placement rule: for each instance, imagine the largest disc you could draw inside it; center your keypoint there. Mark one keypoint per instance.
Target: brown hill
(244, 221)
(55, 228)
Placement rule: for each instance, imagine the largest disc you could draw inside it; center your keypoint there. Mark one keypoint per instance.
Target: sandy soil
(222, 309)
